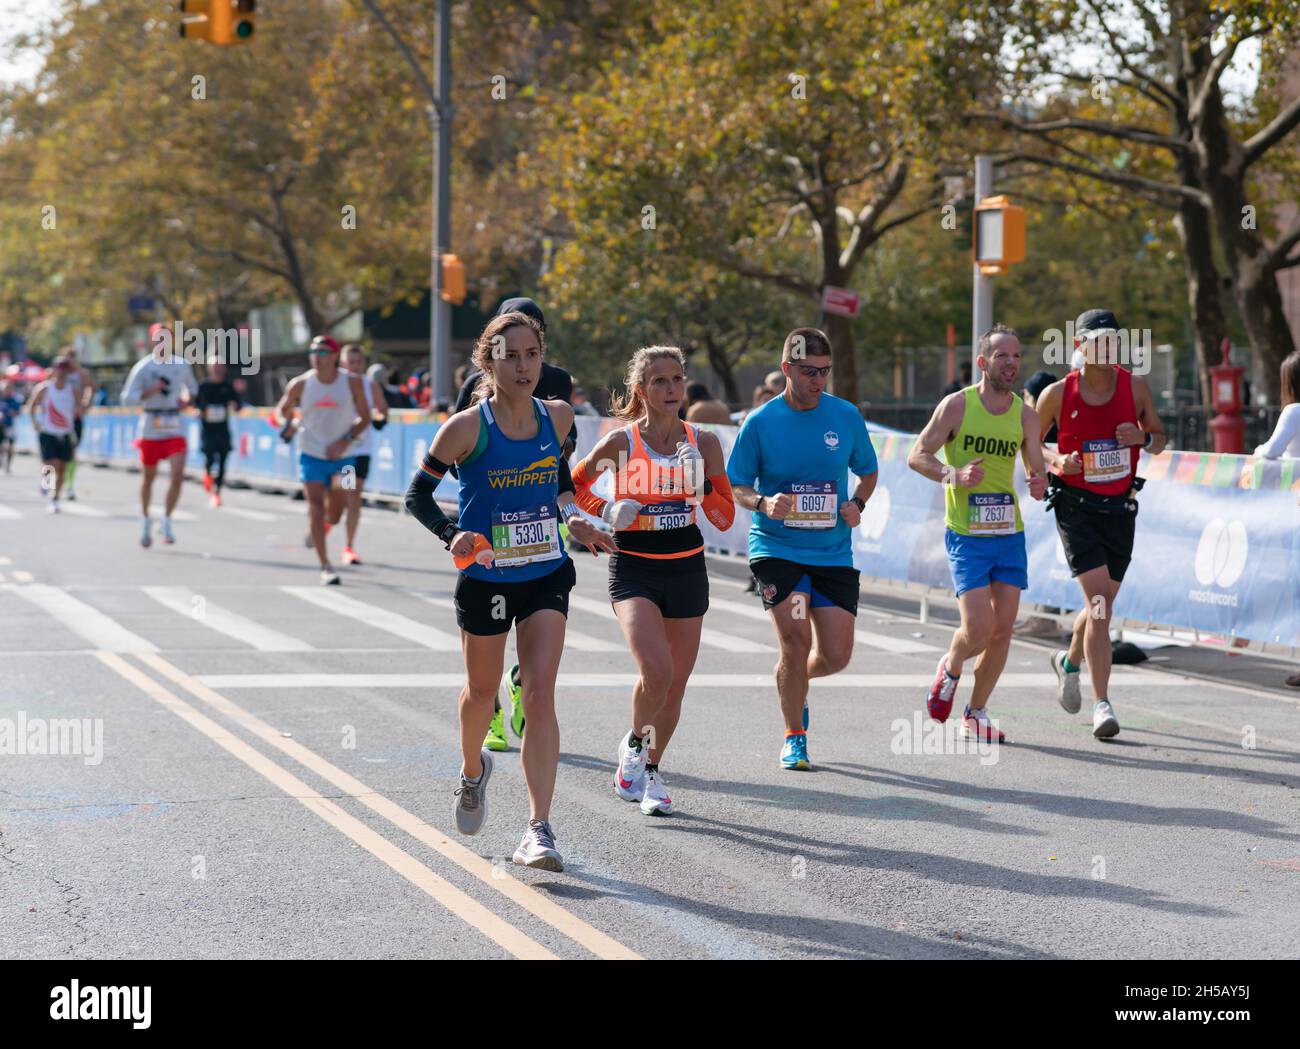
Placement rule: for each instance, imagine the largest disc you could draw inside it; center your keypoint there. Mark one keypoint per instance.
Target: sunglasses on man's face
(809, 372)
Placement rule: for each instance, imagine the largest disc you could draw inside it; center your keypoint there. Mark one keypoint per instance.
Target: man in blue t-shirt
(790, 467)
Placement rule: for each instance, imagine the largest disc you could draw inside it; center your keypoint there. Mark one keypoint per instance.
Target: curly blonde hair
(493, 337)
(631, 405)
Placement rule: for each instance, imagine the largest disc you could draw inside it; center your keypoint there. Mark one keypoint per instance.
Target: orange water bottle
(482, 553)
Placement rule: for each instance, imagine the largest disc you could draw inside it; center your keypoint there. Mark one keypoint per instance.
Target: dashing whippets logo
(832, 439)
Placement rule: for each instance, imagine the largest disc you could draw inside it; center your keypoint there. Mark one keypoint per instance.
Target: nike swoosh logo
(546, 445)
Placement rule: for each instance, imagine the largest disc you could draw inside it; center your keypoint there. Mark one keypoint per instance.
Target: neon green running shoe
(496, 734)
(516, 702)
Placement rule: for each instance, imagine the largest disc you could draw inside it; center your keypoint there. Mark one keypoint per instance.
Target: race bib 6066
(1105, 460)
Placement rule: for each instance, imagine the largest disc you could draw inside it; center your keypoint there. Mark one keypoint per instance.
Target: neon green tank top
(991, 507)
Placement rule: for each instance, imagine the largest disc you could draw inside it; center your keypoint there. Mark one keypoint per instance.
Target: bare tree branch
(1099, 127)
(1267, 137)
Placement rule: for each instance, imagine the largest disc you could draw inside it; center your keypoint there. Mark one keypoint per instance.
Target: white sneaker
(328, 577)
(52, 507)
(1067, 684)
(167, 535)
(630, 775)
(655, 800)
(1104, 722)
(538, 848)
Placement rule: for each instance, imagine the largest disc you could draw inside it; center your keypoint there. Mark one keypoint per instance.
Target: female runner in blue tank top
(509, 461)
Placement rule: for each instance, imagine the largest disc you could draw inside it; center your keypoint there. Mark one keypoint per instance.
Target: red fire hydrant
(1229, 425)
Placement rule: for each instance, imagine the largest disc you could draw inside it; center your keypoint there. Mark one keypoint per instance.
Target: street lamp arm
(373, 7)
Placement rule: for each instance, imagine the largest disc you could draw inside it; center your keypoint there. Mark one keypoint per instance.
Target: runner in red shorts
(161, 383)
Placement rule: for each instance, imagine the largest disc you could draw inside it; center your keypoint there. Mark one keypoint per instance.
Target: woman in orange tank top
(665, 473)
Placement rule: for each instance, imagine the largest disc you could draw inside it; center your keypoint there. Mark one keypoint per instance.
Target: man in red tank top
(1105, 418)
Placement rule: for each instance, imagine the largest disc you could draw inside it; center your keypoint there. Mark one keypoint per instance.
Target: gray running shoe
(1067, 684)
(470, 806)
(538, 848)
(1104, 722)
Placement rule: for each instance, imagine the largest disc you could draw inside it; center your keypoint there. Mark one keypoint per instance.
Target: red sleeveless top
(1089, 429)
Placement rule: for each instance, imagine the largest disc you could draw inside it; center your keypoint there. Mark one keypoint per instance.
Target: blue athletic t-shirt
(779, 448)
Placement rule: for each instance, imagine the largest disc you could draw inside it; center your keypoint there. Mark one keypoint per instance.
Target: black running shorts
(678, 586)
(486, 607)
(825, 584)
(56, 447)
(1093, 539)
(362, 467)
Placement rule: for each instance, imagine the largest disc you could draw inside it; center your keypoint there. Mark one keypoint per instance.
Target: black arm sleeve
(421, 505)
(565, 476)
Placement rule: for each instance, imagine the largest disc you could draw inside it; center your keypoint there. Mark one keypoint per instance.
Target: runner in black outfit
(217, 400)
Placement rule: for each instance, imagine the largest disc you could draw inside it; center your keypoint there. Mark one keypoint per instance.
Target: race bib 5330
(520, 537)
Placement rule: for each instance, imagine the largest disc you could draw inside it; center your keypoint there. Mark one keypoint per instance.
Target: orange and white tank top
(665, 526)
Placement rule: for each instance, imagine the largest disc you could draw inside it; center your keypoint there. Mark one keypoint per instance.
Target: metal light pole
(982, 300)
(439, 308)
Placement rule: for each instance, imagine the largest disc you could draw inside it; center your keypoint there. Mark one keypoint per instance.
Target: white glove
(621, 514)
(692, 464)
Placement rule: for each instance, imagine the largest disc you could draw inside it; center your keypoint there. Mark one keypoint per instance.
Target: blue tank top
(507, 493)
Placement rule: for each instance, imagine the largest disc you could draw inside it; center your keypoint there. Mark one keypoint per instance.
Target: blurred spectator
(582, 406)
(958, 384)
(702, 407)
(775, 382)
(1034, 387)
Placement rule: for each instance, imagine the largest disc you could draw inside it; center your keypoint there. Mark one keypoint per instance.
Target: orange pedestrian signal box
(999, 235)
(222, 22)
(453, 280)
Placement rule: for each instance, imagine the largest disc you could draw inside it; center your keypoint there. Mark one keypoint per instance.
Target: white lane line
(251, 515)
(728, 681)
(21, 576)
(81, 618)
(534, 902)
(82, 510)
(708, 636)
(198, 608)
(373, 615)
(463, 906)
(897, 645)
(156, 512)
(572, 638)
(8, 513)
(5, 561)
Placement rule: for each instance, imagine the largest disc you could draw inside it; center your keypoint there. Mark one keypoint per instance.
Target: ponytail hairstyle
(493, 337)
(631, 405)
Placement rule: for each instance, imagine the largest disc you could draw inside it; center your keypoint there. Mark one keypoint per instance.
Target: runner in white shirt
(1285, 442)
(354, 360)
(54, 410)
(162, 384)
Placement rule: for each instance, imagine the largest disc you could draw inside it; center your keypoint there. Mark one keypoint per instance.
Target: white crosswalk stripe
(374, 616)
(197, 607)
(251, 515)
(82, 510)
(575, 639)
(898, 645)
(8, 513)
(100, 630)
(575, 681)
(708, 636)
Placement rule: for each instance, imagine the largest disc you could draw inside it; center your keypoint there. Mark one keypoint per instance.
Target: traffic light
(223, 22)
(199, 26)
(453, 279)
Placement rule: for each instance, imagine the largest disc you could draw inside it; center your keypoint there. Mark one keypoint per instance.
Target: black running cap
(1095, 320)
(525, 306)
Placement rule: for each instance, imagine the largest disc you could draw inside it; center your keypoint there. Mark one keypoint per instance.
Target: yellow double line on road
(459, 903)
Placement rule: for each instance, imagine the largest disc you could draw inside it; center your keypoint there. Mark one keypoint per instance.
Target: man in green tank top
(982, 430)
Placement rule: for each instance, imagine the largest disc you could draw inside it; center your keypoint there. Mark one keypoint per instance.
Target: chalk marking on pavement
(460, 904)
(897, 645)
(373, 615)
(574, 681)
(574, 639)
(712, 638)
(536, 903)
(81, 618)
(180, 599)
(8, 513)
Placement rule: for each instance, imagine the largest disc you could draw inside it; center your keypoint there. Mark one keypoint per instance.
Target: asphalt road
(278, 760)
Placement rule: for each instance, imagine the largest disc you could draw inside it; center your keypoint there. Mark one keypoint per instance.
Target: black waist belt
(1098, 504)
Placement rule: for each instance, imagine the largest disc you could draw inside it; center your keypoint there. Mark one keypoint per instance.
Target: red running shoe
(939, 702)
(976, 724)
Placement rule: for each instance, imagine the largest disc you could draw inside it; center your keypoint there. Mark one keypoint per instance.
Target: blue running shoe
(794, 755)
